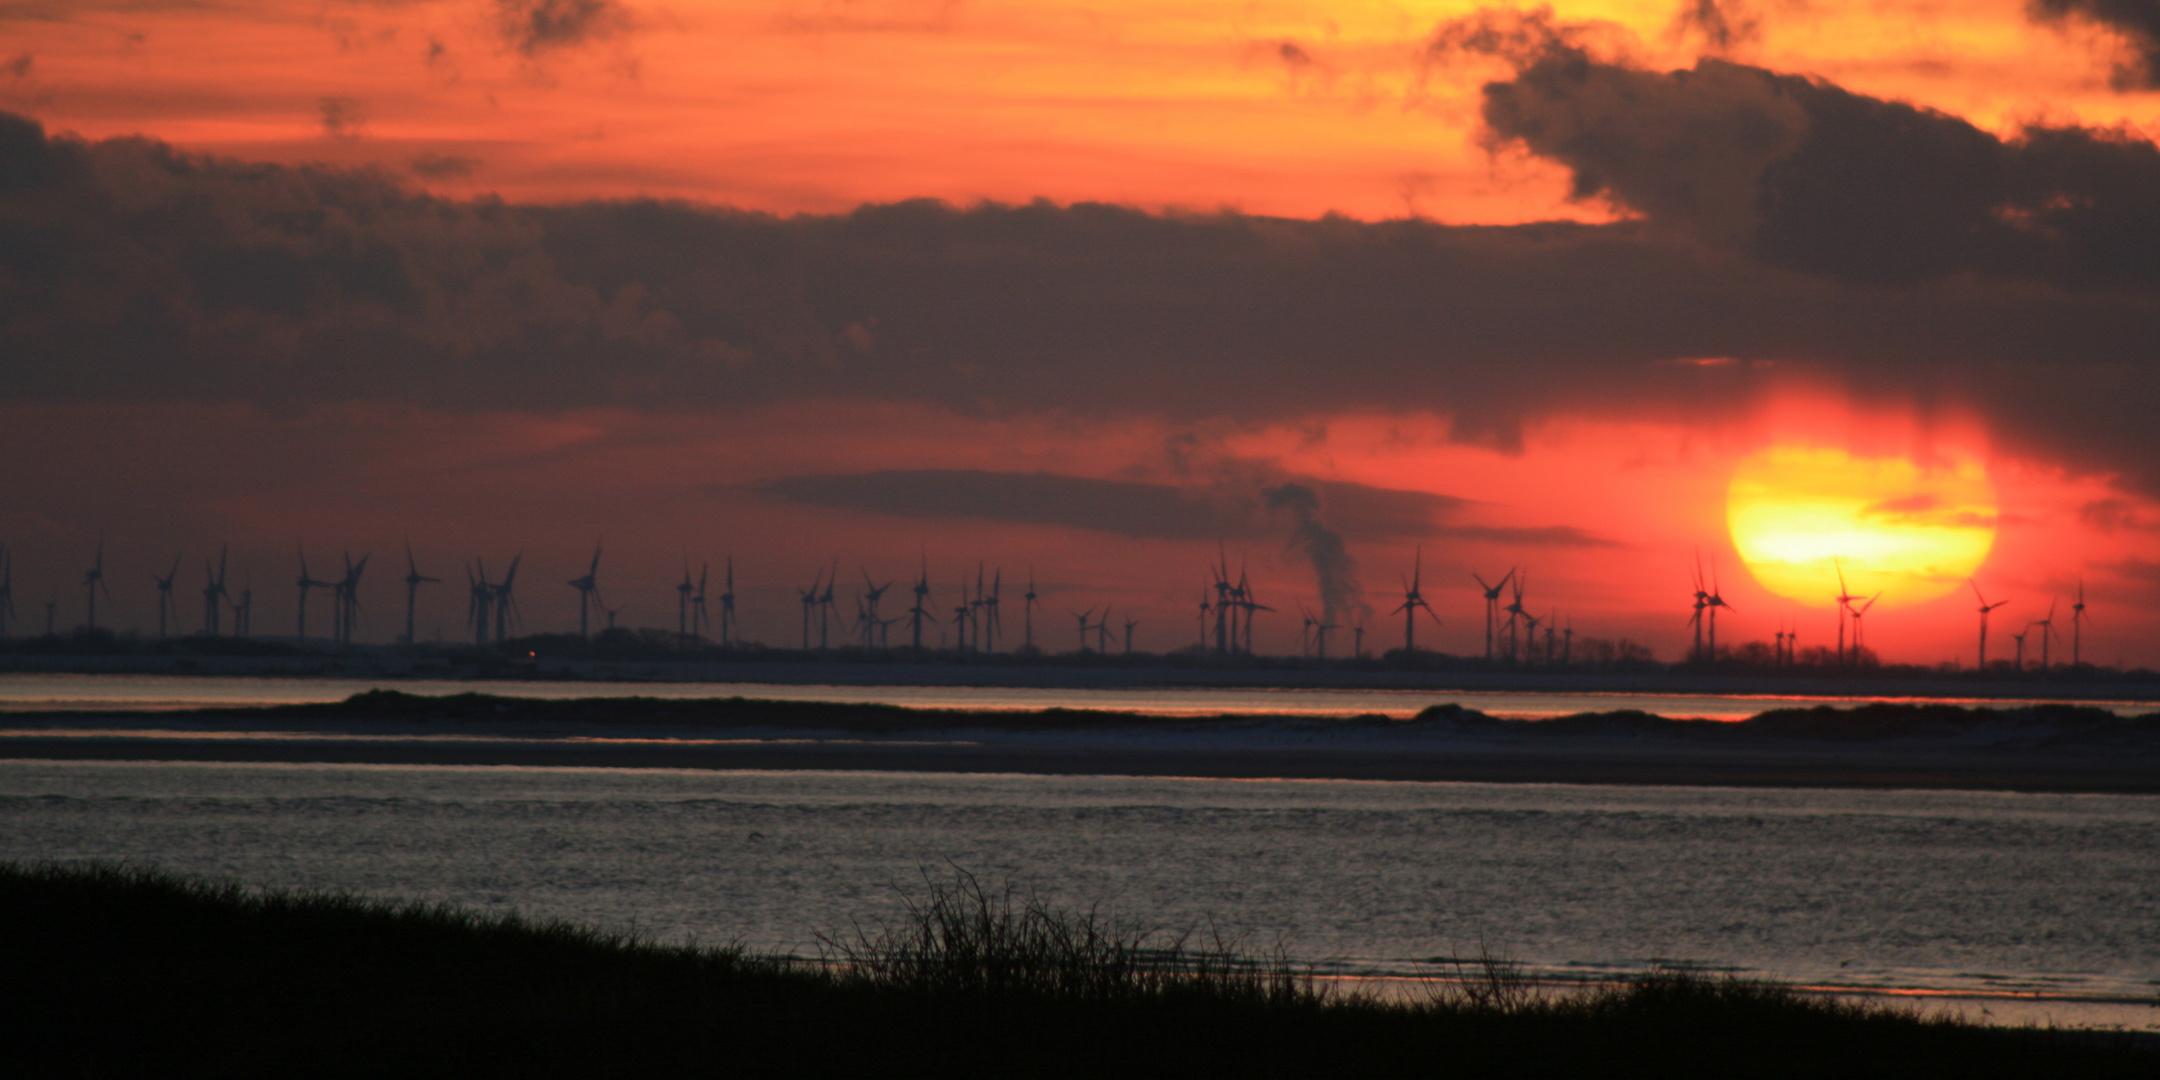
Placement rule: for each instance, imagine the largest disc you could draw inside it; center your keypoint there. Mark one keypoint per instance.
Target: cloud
(2136, 22)
(535, 27)
(129, 271)
(444, 166)
(1722, 23)
(1799, 173)
(19, 66)
(1124, 507)
(342, 117)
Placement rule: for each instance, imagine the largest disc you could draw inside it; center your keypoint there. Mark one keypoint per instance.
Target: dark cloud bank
(1781, 221)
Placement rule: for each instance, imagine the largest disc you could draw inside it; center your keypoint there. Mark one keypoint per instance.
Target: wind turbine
(1492, 607)
(700, 619)
(1715, 601)
(1221, 570)
(1083, 617)
(588, 590)
(213, 591)
(727, 607)
(825, 608)
(1844, 600)
(1516, 612)
(413, 580)
(2047, 630)
(1858, 639)
(1320, 633)
(95, 580)
(2019, 637)
(347, 594)
(991, 622)
(1250, 604)
(1027, 616)
(1985, 607)
(1304, 637)
(166, 605)
(506, 612)
(306, 582)
(872, 595)
(2077, 627)
(1702, 603)
(1531, 622)
(244, 611)
(1129, 624)
(682, 609)
(809, 598)
(1206, 609)
(480, 600)
(1413, 599)
(921, 608)
(1102, 633)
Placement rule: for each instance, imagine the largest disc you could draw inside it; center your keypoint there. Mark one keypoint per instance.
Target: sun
(1911, 533)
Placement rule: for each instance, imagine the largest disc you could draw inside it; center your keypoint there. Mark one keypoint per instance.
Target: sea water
(2006, 906)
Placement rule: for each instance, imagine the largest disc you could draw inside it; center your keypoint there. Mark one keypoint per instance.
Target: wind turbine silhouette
(1129, 624)
(1844, 599)
(213, 591)
(347, 595)
(2019, 637)
(1702, 603)
(991, 624)
(700, 619)
(1083, 617)
(1414, 599)
(95, 581)
(2077, 626)
(921, 608)
(305, 584)
(1516, 612)
(588, 590)
(505, 600)
(1716, 600)
(166, 605)
(413, 580)
(480, 600)
(1858, 641)
(1492, 607)
(808, 596)
(727, 608)
(1027, 615)
(1985, 607)
(1247, 601)
(2047, 630)
(244, 610)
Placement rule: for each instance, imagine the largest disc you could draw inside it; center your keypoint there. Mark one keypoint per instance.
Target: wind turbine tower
(1492, 607)
(213, 593)
(413, 580)
(588, 589)
(95, 580)
(1027, 615)
(1414, 599)
(306, 582)
(727, 608)
(2077, 627)
(1985, 607)
(167, 607)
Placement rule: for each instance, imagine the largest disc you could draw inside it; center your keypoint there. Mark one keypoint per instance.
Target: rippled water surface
(1977, 894)
(19, 692)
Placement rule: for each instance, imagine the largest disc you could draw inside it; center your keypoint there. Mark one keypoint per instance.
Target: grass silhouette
(133, 972)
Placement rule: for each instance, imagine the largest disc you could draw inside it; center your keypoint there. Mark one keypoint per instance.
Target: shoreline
(2054, 749)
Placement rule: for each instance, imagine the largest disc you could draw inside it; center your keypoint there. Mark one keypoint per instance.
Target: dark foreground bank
(130, 973)
(2053, 748)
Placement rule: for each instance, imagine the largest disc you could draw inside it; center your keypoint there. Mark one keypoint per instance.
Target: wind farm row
(836, 611)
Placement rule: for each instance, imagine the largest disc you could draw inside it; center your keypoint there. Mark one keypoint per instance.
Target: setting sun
(1910, 532)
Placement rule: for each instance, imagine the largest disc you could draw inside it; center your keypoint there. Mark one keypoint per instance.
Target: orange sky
(820, 106)
(1289, 109)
